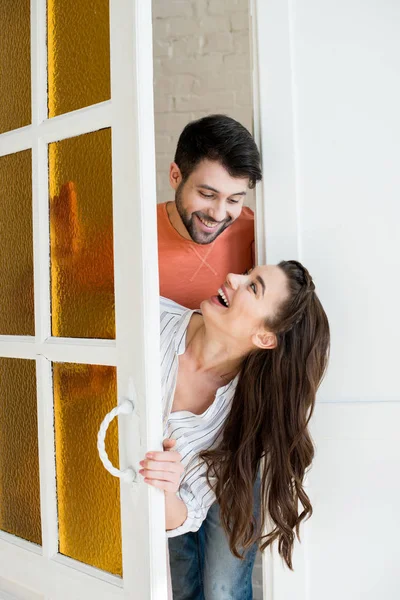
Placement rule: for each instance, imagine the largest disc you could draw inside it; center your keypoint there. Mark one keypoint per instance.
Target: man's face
(209, 200)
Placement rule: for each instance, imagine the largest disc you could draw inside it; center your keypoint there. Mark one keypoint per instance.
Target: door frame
(277, 211)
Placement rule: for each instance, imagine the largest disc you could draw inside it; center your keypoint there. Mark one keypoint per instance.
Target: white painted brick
(162, 181)
(219, 42)
(162, 84)
(160, 29)
(222, 7)
(190, 66)
(241, 42)
(200, 8)
(237, 61)
(214, 23)
(209, 101)
(217, 80)
(163, 143)
(183, 84)
(244, 96)
(192, 46)
(179, 26)
(162, 48)
(240, 21)
(163, 103)
(171, 122)
(163, 162)
(172, 8)
(216, 7)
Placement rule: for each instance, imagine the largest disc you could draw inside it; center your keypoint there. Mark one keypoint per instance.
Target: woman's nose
(233, 280)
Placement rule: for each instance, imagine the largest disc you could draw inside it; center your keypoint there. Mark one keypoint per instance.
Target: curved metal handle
(125, 408)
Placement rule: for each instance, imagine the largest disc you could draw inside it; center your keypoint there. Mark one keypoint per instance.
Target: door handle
(125, 408)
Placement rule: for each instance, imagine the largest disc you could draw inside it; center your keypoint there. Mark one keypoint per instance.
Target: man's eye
(233, 201)
(206, 195)
(253, 287)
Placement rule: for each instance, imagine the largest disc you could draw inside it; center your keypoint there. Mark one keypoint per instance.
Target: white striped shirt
(193, 433)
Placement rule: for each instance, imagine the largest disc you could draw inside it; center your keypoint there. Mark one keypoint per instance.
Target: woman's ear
(265, 340)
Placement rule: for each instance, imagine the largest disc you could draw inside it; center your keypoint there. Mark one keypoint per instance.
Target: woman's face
(244, 303)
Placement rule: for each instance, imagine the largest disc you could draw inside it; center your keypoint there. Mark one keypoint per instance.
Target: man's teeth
(224, 298)
(208, 223)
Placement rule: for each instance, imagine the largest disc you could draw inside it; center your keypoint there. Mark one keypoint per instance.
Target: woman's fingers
(163, 469)
(168, 443)
(162, 475)
(170, 456)
(153, 465)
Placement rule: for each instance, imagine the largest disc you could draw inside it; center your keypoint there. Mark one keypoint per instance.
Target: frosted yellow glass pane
(16, 239)
(15, 64)
(81, 235)
(19, 459)
(88, 496)
(78, 54)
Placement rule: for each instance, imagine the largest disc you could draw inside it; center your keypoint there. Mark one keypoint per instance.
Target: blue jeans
(203, 567)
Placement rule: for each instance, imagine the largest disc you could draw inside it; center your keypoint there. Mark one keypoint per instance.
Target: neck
(176, 221)
(218, 358)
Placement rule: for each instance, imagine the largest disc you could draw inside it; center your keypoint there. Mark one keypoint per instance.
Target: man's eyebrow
(261, 280)
(208, 187)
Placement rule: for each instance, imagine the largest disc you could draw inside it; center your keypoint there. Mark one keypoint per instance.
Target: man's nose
(218, 211)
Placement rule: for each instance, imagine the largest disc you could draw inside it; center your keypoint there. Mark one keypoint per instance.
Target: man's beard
(189, 221)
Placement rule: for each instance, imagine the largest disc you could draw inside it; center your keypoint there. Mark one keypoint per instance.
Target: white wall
(330, 98)
(201, 66)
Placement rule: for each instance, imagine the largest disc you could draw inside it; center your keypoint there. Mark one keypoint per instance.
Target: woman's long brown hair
(267, 428)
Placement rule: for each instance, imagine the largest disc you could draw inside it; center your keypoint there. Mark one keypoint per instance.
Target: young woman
(239, 381)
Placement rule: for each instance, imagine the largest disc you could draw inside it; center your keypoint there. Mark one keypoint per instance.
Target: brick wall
(201, 66)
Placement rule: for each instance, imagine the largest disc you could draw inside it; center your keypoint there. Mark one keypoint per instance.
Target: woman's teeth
(208, 223)
(224, 298)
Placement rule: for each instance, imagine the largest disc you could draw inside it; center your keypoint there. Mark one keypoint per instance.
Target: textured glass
(15, 64)
(19, 458)
(88, 496)
(16, 239)
(82, 270)
(78, 42)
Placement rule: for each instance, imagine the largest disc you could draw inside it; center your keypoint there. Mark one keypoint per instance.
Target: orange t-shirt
(190, 272)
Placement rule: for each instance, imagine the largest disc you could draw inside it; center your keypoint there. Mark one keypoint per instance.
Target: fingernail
(149, 455)
(142, 463)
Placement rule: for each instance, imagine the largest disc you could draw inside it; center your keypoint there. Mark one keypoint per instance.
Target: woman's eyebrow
(261, 280)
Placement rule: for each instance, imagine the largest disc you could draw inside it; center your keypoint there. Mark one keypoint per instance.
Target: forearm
(175, 511)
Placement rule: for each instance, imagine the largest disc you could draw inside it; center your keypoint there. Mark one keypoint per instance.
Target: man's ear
(265, 340)
(175, 175)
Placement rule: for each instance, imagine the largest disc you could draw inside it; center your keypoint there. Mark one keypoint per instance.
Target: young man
(203, 235)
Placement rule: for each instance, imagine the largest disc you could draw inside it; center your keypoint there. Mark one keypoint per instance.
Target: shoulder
(161, 210)
(169, 307)
(247, 214)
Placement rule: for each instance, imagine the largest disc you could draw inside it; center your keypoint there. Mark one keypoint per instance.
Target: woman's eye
(253, 287)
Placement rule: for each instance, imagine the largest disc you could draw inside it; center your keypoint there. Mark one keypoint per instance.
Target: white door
(79, 301)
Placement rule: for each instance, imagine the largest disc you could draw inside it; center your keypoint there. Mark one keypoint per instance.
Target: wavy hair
(267, 428)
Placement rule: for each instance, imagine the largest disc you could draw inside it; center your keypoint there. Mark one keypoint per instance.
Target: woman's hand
(163, 469)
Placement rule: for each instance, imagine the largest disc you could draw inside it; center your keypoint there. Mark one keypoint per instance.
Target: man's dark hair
(219, 138)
